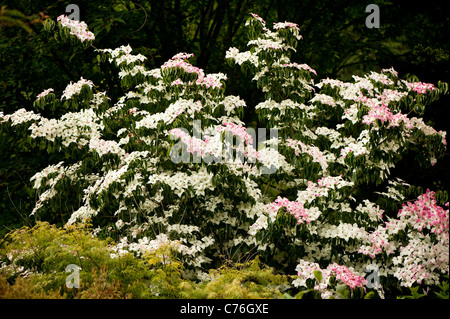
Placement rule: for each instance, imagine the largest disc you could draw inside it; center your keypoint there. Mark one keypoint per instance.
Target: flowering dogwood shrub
(171, 162)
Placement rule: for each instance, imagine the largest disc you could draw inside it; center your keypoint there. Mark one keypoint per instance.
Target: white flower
(270, 157)
(324, 99)
(20, 116)
(82, 214)
(75, 88)
(43, 93)
(77, 28)
(103, 147)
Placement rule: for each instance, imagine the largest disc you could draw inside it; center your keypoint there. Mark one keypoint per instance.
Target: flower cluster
(299, 67)
(391, 71)
(75, 88)
(422, 258)
(257, 18)
(313, 151)
(425, 213)
(194, 144)
(324, 99)
(130, 58)
(43, 93)
(322, 188)
(117, 52)
(19, 117)
(421, 87)
(357, 149)
(344, 231)
(346, 276)
(77, 28)
(237, 130)
(178, 61)
(336, 141)
(231, 103)
(241, 57)
(383, 114)
(103, 147)
(76, 127)
(50, 177)
(309, 270)
(282, 106)
(145, 245)
(281, 25)
(294, 208)
(380, 77)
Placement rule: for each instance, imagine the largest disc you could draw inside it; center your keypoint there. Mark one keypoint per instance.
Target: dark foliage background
(336, 43)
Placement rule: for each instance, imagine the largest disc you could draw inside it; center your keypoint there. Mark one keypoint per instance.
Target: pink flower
(346, 276)
(193, 144)
(42, 94)
(77, 28)
(237, 130)
(421, 87)
(425, 213)
(300, 67)
(182, 56)
(294, 208)
(282, 25)
(257, 17)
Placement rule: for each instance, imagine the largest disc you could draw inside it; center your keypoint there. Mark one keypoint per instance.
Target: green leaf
(318, 275)
(342, 290)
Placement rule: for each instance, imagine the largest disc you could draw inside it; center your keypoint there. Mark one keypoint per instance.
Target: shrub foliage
(180, 184)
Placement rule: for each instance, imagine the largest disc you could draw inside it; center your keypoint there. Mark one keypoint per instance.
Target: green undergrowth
(33, 264)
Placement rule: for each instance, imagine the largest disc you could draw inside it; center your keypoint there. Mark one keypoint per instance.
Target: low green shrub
(38, 257)
(33, 262)
(33, 265)
(239, 281)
